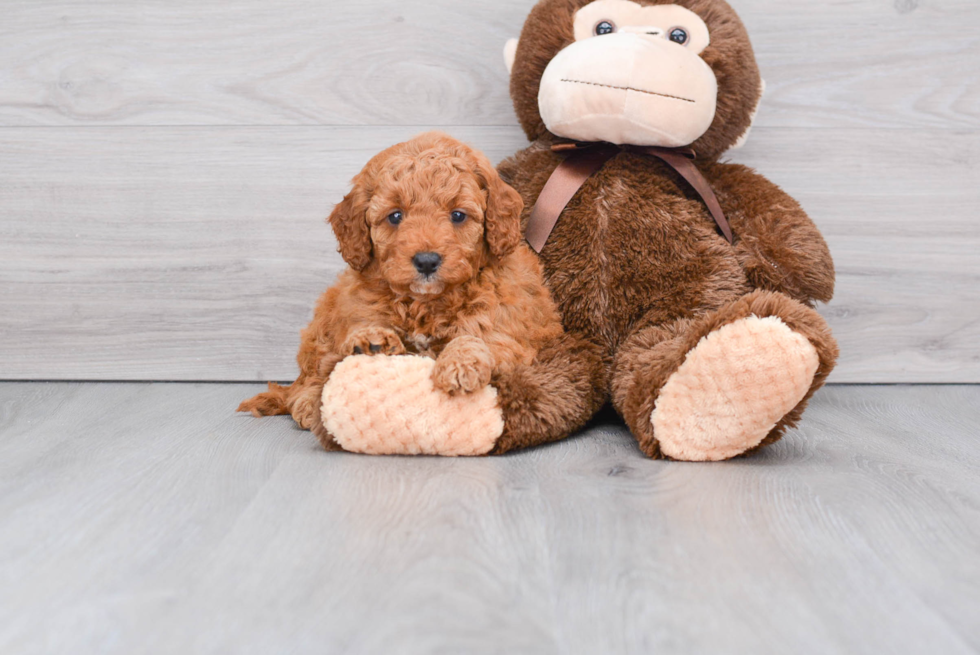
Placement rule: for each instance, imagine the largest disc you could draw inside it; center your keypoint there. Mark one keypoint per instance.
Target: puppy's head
(427, 215)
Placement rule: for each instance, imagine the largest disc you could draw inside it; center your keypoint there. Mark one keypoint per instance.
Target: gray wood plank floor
(148, 518)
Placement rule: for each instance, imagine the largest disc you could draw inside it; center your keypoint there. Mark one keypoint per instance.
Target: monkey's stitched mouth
(630, 88)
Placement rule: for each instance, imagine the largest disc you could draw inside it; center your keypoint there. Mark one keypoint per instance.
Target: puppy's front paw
(464, 366)
(373, 341)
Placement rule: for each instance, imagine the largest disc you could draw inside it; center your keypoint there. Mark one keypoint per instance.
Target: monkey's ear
(502, 223)
(755, 112)
(510, 54)
(349, 222)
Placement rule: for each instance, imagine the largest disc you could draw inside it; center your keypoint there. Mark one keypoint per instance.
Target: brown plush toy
(711, 348)
(686, 284)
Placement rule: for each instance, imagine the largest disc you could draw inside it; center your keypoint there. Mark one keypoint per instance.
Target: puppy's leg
(373, 341)
(267, 403)
(552, 397)
(303, 399)
(318, 429)
(296, 400)
(464, 366)
(278, 399)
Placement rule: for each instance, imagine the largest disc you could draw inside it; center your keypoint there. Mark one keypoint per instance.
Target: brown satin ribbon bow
(584, 160)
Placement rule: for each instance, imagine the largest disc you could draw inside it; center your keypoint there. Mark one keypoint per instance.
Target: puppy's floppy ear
(349, 222)
(502, 223)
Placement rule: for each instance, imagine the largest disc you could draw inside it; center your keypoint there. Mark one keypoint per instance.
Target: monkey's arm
(775, 241)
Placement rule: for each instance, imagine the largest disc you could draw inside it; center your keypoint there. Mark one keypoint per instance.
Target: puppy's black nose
(427, 263)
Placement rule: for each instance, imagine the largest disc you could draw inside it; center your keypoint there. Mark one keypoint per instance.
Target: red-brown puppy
(437, 268)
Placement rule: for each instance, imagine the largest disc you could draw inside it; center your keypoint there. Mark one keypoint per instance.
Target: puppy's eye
(395, 217)
(678, 35)
(604, 27)
(458, 217)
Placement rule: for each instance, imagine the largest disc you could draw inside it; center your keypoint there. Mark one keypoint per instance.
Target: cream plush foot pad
(384, 405)
(732, 389)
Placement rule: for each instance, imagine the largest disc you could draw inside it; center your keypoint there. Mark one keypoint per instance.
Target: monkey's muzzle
(627, 88)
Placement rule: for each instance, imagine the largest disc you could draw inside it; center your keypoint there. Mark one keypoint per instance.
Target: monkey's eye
(458, 217)
(395, 217)
(604, 27)
(678, 35)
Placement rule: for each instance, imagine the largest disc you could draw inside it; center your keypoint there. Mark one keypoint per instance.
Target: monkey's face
(634, 75)
(648, 72)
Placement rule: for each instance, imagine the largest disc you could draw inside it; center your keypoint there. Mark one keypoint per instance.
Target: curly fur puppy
(437, 268)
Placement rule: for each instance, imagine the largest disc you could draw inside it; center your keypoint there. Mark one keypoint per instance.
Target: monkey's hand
(778, 246)
(464, 366)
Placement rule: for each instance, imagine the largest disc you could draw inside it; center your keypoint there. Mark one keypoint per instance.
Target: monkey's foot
(732, 389)
(385, 405)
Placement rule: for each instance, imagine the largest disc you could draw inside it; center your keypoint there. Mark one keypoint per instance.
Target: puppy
(438, 268)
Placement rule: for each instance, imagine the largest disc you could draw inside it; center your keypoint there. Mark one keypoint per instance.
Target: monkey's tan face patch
(633, 76)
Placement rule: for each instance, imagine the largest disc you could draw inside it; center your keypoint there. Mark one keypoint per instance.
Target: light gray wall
(165, 167)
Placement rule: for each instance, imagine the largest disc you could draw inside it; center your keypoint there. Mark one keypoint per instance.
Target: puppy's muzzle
(427, 263)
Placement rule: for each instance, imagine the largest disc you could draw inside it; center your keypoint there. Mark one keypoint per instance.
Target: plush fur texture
(653, 353)
(484, 315)
(732, 389)
(637, 266)
(389, 406)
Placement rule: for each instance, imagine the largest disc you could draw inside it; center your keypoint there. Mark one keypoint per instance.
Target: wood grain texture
(248, 62)
(867, 63)
(165, 168)
(147, 518)
(174, 254)
(197, 254)
(889, 63)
